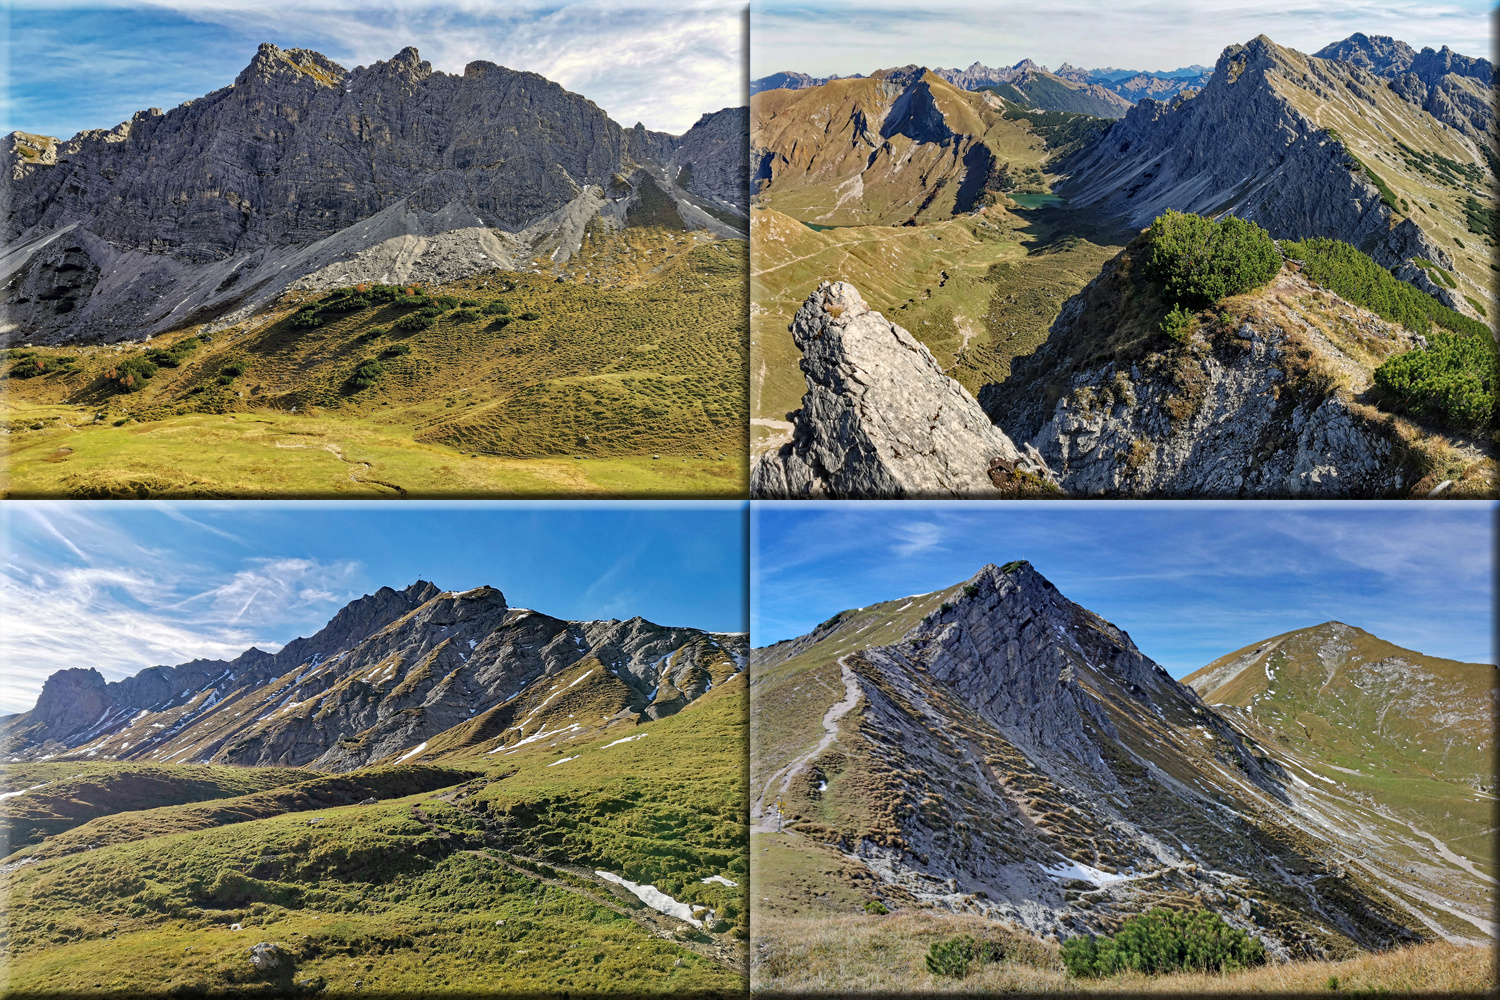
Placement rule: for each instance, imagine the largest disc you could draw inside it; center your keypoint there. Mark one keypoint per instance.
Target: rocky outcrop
(305, 174)
(714, 152)
(390, 670)
(881, 420)
(1243, 412)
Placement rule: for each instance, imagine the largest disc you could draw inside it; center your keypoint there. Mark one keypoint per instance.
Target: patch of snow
(563, 761)
(720, 879)
(625, 740)
(472, 643)
(584, 677)
(413, 752)
(655, 898)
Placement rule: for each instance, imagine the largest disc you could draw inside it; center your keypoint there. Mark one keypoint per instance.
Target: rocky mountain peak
(271, 63)
(77, 690)
(880, 419)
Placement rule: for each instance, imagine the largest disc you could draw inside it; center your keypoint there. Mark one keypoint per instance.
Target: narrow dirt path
(837, 711)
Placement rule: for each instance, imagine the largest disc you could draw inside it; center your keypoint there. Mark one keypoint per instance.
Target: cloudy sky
(824, 37)
(119, 587)
(80, 64)
(1189, 582)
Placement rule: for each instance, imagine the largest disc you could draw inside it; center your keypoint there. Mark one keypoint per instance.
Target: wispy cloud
(79, 589)
(663, 64)
(917, 536)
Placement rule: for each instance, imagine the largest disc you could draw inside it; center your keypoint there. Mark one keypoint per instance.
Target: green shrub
(412, 322)
(876, 908)
(1198, 261)
(1478, 306)
(945, 607)
(396, 351)
(528, 316)
(1177, 324)
(500, 323)
(442, 303)
(1352, 275)
(307, 319)
(1162, 940)
(496, 308)
(465, 315)
(951, 957)
(366, 375)
(132, 373)
(234, 369)
(1452, 382)
(970, 589)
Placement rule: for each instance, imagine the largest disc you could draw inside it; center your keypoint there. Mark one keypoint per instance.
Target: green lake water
(1037, 200)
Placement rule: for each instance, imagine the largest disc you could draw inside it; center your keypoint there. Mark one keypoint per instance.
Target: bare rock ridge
(880, 419)
(182, 216)
(391, 669)
(1453, 88)
(1245, 146)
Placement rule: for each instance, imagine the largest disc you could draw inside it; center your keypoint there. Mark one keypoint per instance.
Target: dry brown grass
(873, 954)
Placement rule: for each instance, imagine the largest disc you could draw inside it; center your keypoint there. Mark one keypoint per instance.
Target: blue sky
(93, 64)
(823, 37)
(120, 586)
(1189, 582)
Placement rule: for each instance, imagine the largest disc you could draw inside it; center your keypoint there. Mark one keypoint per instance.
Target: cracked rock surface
(881, 420)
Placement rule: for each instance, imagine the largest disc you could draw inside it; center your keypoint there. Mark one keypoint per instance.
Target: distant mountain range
(214, 208)
(994, 748)
(395, 675)
(1103, 92)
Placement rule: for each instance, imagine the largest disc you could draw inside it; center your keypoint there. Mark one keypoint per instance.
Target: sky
(119, 587)
(81, 64)
(824, 37)
(1189, 582)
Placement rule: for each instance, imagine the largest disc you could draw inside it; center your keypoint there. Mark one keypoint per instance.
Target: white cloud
(128, 607)
(916, 536)
(663, 64)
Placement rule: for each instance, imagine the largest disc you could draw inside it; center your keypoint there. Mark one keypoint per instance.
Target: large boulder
(881, 420)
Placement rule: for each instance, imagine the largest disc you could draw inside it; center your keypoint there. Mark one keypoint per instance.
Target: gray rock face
(388, 671)
(304, 174)
(880, 419)
(1242, 146)
(1219, 419)
(716, 151)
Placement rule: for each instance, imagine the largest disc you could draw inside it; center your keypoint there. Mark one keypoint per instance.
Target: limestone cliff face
(1250, 144)
(304, 174)
(300, 148)
(1453, 88)
(880, 419)
(391, 670)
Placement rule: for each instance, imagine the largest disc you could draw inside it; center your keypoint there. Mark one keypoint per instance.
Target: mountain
(404, 675)
(302, 174)
(995, 749)
(1031, 86)
(902, 145)
(1134, 85)
(881, 420)
(1454, 89)
(1306, 147)
(792, 80)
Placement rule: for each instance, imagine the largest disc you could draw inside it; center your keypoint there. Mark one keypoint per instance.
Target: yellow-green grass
(73, 794)
(797, 876)
(639, 351)
(405, 894)
(271, 453)
(977, 290)
(879, 954)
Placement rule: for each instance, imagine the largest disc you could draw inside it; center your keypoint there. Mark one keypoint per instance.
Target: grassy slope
(1408, 744)
(406, 894)
(640, 353)
(1007, 274)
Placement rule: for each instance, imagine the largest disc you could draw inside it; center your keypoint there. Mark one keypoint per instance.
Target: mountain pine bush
(1162, 940)
(1352, 275)
(1452, 382)
(1199, 261)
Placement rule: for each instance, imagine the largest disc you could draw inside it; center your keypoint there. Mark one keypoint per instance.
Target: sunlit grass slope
(623, 373)
(475, 874)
